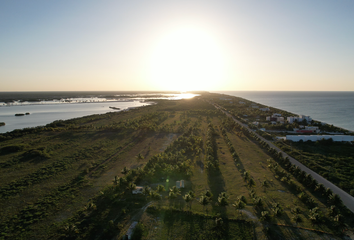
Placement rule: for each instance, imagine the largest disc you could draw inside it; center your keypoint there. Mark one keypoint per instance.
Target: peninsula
(198, 168)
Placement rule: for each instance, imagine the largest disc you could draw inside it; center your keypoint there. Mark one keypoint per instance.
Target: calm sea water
(47, 107)
(335, 108)
(42, 114)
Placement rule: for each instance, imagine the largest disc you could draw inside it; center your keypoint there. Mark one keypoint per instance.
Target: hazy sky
(177, 45)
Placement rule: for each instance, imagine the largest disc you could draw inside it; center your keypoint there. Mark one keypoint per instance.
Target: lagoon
(42, 114)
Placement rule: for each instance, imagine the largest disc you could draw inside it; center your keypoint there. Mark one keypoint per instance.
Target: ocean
(335, 108)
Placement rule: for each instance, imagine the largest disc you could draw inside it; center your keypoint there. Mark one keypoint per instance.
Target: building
(265, 109)
(314, 138)
(300, 118)
(138, 190)
(180, 184)
(307, 129)
(276, 117)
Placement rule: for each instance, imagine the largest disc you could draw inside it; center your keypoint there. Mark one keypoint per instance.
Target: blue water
(43, 114)
(335, 108)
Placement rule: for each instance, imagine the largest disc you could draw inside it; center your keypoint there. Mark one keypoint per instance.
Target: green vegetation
(74, 180)
(333, 160)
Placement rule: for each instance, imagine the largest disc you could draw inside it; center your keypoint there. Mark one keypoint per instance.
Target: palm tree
(265, 185)
(335, 199)
(160, 188)
(296, 218)
(154, 195)
(246, 175)
(71, 230)
(122, 181)
(146, 191)
(320, 188)
(239, 205)
(191, 193)
(116, 180)
(257, 201)
(219, 222)
(222, 201)
(175, 190)
(251, 182)
(265, 216)
(188, 199)
(208, 194)
(125, 170)
(172, 195)
(242, 198)
(131, 187)
(204, 201)
(140, 156)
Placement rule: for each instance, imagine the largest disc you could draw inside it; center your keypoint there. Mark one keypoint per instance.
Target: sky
(183, 45)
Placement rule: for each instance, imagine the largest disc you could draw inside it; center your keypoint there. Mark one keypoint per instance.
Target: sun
(186, 59)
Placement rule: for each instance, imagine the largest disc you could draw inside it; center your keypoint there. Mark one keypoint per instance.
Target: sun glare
(186, 59)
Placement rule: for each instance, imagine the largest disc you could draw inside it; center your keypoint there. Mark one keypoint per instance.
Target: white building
(300, 118)
(314, 138)
(138, 190)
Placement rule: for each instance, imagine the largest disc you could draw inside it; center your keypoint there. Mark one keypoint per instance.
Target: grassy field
(66, 180)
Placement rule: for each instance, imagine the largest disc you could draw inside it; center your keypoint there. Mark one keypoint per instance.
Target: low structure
(307, 129)
(276, 117)
(265, 109)
(138, 190)
(314, 138)
(180, 184)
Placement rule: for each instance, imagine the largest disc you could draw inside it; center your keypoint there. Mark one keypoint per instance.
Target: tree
(125, 170)
(160, 188)
(191, 193)
(251, 182)
(296, 218)
(265, 216)
(175, 190)
(140, 156)
(71, 230)
(257, 201)
(146, 191)
(265, 185)
(116, 180)
(131, 187)
(154, 195)
(222, 200)
(239, 205)
(188, 199)
(208, 194)
(122, 181)
(335, 199)
(219, 222)
(204, 201)
(242, 198)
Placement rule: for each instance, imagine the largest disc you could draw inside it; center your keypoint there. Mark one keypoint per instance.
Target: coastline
(41, 117)
(229, 93)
